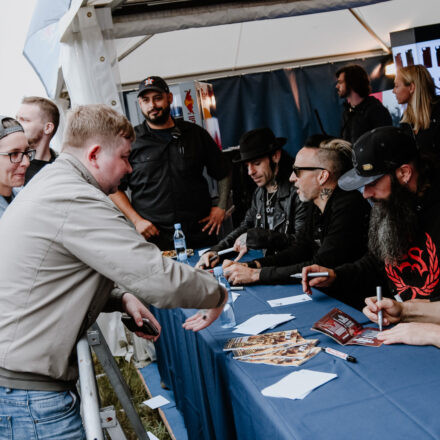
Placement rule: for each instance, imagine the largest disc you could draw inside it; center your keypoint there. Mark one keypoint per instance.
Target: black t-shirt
(167, 183)
(36, 165)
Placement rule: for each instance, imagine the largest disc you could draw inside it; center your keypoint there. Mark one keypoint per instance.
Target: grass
(150, 418)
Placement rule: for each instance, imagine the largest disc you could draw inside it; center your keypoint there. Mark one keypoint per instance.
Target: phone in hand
(147, 328)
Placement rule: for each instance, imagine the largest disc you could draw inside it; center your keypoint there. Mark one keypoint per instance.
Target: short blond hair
(47, 107)
(98, 122)
(336, 155)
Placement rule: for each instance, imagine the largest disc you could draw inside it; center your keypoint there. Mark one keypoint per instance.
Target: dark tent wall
(263, 99)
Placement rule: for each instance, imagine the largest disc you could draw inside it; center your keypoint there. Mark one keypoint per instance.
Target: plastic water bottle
(180, 244)
(227, 318)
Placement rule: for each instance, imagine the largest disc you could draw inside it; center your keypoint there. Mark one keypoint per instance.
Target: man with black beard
(167, 183)
(404, 233)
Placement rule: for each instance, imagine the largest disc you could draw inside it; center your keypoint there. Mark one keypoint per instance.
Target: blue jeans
(37, 415)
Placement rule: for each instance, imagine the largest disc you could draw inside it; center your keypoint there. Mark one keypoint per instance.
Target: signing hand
(412, 333)
(204, 318)
(240, 246)
(308, 283)
(392, 310)
(135, 308)
(240, 273)
(204, 262)
(146, 228)
(214, 220)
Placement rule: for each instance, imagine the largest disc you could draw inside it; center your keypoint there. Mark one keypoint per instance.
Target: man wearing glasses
(336, 223)
(15, 157)
(276, 212)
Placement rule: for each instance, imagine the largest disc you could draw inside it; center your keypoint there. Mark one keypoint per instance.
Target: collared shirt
(167, 183)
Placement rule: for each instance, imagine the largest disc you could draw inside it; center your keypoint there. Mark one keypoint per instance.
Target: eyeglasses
(17, 156)
(297, 170)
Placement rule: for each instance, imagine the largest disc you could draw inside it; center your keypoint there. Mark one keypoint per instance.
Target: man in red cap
(167, 183)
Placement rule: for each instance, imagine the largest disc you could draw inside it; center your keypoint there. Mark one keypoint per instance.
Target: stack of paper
(298, 384)
(286, 348)
(259, 323)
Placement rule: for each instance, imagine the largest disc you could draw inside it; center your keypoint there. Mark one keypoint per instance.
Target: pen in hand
(380, 313)
(310, 275)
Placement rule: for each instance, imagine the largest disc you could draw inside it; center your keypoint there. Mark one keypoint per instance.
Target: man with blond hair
(67, 254)
(40, 119)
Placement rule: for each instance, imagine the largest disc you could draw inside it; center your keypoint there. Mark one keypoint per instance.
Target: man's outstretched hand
(204, 318)
(214, 220)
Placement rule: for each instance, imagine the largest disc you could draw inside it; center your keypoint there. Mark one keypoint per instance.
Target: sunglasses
(297, 170)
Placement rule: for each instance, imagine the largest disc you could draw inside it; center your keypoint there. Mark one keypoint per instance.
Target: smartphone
(147, 328)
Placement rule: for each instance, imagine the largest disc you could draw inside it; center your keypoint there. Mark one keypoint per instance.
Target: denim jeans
(37, 415)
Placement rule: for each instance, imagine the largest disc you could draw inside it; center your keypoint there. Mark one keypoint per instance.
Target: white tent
(95, 48)
(108, 43)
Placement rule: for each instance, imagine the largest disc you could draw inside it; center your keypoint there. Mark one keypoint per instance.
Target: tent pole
(134, 47)
(370, 31)
(116, 3)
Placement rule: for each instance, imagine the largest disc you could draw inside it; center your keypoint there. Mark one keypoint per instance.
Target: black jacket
(369, 114)
(417, 275)
(333, 237)
(428, 141)
(167, 183)
(289, 215)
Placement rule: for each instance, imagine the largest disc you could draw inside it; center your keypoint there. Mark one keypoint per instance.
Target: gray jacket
(64, 246)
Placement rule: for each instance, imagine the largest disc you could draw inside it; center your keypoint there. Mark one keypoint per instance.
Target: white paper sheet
(298, 384)
(259, 323)
(235, 295)
(289, 300)
(156, 402)
(151, 436)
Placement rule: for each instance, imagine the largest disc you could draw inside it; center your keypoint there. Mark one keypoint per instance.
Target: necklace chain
(272, 195)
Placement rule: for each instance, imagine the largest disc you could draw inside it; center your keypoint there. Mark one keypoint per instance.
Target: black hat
(376, 153)
(258, 143)
(155, 83)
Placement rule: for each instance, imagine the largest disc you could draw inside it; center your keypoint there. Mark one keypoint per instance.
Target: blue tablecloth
(391, 392)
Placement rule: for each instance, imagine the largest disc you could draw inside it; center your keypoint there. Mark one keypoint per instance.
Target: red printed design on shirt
(415, 268)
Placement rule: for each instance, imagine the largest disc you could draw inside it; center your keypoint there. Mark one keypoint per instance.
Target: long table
(392, 392)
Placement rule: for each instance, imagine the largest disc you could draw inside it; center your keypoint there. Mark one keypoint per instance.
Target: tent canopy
(205, 39)
(105, 43)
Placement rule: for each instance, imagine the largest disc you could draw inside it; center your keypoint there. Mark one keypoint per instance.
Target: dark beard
(393, 224)
(162, 119)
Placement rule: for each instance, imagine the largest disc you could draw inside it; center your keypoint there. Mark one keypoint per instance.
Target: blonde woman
(15, 157)
(415, 87)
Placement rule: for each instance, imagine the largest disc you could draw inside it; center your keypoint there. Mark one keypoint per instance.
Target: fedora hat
(258, 143)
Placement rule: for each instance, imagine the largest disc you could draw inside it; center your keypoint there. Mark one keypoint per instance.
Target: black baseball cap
(376, 153)
(155, 83)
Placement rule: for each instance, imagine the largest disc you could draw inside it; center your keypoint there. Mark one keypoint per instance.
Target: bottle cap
(177, 226)
(218, 270)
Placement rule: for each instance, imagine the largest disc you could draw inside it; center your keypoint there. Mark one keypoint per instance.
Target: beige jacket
(63, 246)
